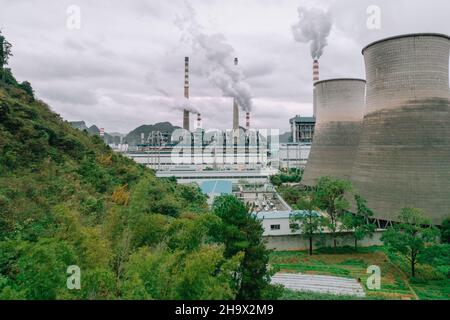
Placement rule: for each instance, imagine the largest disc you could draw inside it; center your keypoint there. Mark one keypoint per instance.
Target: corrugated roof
(282, 214)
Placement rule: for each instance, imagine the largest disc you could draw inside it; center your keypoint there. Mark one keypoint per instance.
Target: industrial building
(340, 108)
(293, 155)
(302, 129)
(403, 158)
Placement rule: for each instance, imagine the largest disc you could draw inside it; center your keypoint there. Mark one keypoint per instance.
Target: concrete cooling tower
(340, 110)
(403, 159)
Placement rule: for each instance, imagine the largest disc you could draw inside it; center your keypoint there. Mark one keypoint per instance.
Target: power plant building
(302, 129)
(403, 158)
(340, 110)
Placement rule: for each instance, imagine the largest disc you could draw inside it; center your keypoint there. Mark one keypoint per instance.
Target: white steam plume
(219, 55)
(314, 26)
(183, 104)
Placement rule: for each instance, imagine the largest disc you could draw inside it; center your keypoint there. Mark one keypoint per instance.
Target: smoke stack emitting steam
(314, 26)
(186, 93)
(218, 59)
(247, 120)
(235, 107)
(316, 70)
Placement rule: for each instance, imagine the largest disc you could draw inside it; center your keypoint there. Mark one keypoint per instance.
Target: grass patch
(349, 264)
(306, 295)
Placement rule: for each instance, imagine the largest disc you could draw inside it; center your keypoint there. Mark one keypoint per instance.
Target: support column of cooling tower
(186, 125)
(315, 79)
(340, 109)
(403, 159)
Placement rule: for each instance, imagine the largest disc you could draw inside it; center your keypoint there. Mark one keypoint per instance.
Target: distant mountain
(134, 137)
(285, 137)
(110, 138)
(80, 125)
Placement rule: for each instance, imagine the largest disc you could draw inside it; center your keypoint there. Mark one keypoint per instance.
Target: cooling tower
(403, 159)
(340, 110)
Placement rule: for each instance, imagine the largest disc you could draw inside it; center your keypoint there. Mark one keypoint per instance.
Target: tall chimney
(315, 79)
(199, 120)
(247, 120)
(316, 70)
(235, 107)
(186, 93)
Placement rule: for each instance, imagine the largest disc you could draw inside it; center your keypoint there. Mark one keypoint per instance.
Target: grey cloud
(120, 68)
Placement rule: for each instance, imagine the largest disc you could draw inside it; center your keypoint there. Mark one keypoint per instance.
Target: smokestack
(235, 107)
(247, 120)
(186, 93)
(315, 70)
(199, 121)
(315, 79)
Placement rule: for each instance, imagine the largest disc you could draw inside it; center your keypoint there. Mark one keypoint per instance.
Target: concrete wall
(403, 158)
(298, 242)
(340, 109)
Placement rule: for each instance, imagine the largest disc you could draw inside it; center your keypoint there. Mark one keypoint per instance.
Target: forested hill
(68, 199)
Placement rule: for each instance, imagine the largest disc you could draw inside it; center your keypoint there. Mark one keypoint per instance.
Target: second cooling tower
(340, 109)
(403, 159)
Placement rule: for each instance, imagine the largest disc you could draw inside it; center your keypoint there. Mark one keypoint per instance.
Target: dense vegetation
(292, 175)
(67, 199)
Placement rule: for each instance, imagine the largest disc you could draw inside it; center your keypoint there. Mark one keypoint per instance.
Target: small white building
(277, 223)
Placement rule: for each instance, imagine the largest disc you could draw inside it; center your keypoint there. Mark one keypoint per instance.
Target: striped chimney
(316, 70)
(247, 120)
(315, 79)
(186, 93)
(199, 120)
(235, 107)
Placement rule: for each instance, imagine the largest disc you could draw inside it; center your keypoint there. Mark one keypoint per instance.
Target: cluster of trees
(329, 196)
(6, 76)
(413, 237)
(292, 175)
(67, 199)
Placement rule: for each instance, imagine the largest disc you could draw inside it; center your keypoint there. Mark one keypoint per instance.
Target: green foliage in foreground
(68, 199)
(410, 237)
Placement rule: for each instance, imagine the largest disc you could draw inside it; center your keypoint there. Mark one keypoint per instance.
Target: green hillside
(134, 136)
(68, 199)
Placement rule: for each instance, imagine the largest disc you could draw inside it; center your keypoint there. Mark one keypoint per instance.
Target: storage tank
(340, 110)
(403, 158)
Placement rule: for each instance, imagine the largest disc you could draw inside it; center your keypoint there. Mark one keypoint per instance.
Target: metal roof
(282, 214)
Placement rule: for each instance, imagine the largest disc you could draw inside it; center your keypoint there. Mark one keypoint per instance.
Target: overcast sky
(119, 68)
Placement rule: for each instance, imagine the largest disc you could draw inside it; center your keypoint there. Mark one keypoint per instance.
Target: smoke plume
(183, 104)
(314, 26)
(219, 59)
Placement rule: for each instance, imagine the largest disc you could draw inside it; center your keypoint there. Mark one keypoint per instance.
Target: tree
(308, 222)
(5, 51)
(359, 223)
(410, 236)
(445, 230)
(330, 197)
(242, 232)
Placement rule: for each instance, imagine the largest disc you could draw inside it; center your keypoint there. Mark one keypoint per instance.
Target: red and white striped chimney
(247, 120)
(316, 70)
(199, 120)
(235, 107)
(186, 93)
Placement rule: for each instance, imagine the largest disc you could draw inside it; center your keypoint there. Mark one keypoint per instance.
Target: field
(395, 284)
